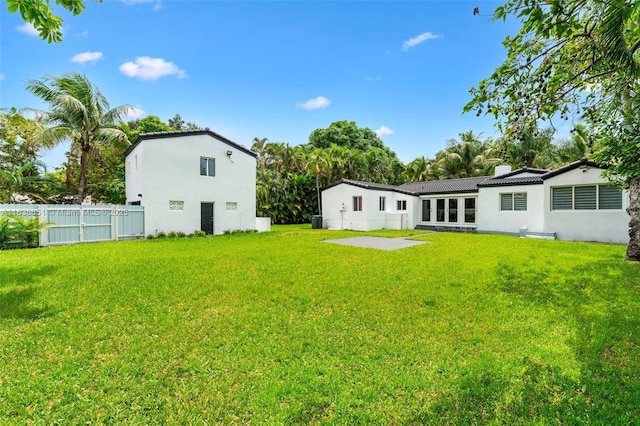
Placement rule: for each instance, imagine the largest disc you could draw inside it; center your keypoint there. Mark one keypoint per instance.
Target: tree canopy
(347, 134)
(579, 60)
(78, 112)
(41, 16)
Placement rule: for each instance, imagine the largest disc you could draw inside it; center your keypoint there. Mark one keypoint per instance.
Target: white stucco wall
(133, 174)
(370, 218)
(585, 225)
(492, 219)
(171, 172)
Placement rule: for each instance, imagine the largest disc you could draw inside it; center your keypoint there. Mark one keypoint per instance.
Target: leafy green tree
(419, 170)
(40, 15)
(177, 123)
(574, 58)
(466, 157)
(80, 113)
(148, 124)
(18, 141)
(345, 133)
(580, 145)
(25, 179)
(531, 147)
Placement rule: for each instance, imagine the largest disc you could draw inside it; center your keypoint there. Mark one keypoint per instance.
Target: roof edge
(196, 132)
(583, 162)
(368, 185)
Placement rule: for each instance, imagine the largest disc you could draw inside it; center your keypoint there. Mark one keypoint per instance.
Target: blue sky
(274, 69)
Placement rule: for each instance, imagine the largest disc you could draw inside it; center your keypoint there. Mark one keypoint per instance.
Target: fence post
(43, 217)
(114, 223)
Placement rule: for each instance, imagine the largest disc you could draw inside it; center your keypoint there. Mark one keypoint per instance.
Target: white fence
(70, 224)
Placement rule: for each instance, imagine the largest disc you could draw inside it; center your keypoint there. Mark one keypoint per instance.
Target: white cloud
(418, 39)
(82, 34)
(314, 103)
(135, 112)
(82, 58)
(147, 68)
(1, 76)
(383, 131)
(28, 28)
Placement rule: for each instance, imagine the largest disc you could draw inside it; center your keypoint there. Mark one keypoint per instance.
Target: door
(206, 217)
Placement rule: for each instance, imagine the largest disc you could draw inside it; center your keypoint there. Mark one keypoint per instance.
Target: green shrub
(181, 234)
(227, 232)
(200, 233)
(172, 234)
(20, 232)
(151, 237)
(162, 234)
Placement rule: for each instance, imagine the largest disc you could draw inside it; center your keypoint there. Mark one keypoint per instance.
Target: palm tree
(24, 179)
(80, 113)
(418, 170)
(466, 157)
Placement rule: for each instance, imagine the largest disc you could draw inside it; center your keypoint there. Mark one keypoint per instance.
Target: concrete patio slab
(376, 242)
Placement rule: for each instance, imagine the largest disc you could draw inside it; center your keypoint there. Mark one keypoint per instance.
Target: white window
(513, 201)
(232, 206)
(383, 202)
(401, 205)
(176, 206)
(207, 166)
(357, 203)
(586, 197)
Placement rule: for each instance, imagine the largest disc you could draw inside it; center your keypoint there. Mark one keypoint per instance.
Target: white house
(191, 180)
(364, 206)
(573, 202)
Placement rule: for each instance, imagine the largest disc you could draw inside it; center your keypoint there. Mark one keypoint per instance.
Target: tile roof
(174, 133)
(583, 162)
(456, 186)
(370, 185)
(512, 178)
(448, 186)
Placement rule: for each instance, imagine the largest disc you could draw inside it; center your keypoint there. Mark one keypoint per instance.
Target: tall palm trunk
(633, 249)
(82, 182)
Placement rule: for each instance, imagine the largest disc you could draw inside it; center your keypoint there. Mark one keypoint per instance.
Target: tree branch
(634, 47)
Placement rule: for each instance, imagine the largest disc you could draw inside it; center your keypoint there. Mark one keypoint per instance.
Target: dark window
(610, 198)
(383, 202)
(520, 201)
(453, 210)
(470, 210)
(506, 201)
(562, 198)
(357, 203)
(426, 210)
(440, 209)
(589, 197)
(401, 204)
(513, 201)
(207, 166)
(584, 197)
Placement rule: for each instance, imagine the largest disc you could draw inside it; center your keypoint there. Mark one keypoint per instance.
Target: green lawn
(278, 328)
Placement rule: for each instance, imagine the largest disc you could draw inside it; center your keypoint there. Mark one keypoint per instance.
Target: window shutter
(585, 197)
(562, 198)
(506, 201)
(520, 201)
(610, 198)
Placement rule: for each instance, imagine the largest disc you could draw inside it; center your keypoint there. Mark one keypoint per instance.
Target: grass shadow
(17, 302)
(601, 303)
